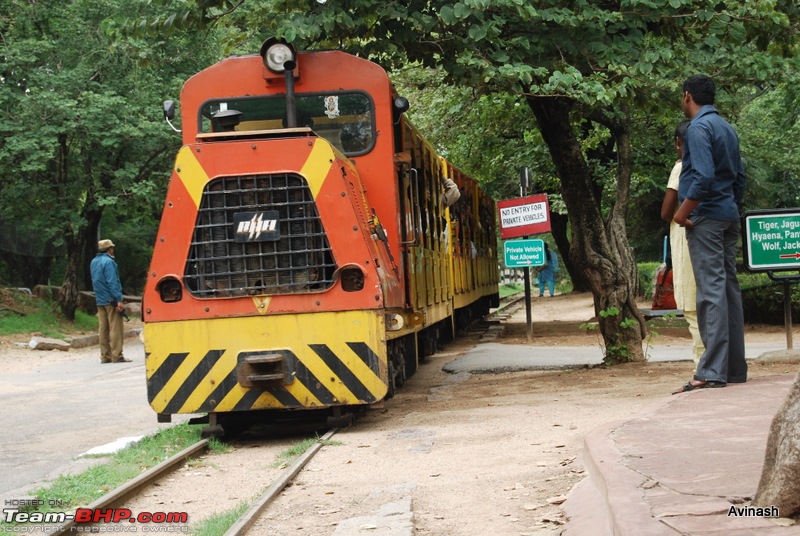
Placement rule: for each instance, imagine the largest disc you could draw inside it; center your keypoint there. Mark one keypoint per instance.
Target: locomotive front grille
(282, 250)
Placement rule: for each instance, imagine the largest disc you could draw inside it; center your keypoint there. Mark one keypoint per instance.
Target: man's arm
(738, 187)
(111, 274)
(698, 142)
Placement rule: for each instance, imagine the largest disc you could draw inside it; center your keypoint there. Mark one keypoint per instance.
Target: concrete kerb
(781, 356)
(84, 341)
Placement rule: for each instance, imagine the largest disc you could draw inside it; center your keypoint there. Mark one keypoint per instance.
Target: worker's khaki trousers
(111, 333)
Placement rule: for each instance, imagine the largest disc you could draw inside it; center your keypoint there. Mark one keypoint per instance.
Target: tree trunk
(599, 249)
(68, 297)
(74, 239)
(558, 228)
(90, 244)
(780, 477)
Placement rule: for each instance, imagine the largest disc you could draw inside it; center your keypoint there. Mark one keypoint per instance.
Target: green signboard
(524, 253)
(771, 240)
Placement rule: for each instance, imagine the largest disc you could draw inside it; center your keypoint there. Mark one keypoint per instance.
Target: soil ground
(475, 454)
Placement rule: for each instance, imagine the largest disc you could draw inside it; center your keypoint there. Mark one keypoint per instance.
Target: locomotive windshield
(344, 119)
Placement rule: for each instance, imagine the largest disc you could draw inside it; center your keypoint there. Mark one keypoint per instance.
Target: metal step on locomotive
(311, 251)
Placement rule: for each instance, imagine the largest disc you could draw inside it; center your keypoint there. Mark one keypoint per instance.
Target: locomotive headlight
(278, 56)
(352, 279)
(170, 289)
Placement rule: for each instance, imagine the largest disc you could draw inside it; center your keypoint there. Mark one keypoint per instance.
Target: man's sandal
(704, 385)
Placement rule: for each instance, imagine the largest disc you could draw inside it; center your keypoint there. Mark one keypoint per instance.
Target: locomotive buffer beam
(258, 370)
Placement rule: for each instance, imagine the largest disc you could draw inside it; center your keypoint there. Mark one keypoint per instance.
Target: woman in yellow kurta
(682, 276)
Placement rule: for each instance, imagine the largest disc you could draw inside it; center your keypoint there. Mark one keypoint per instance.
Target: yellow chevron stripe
(235, 395)
(304, 395)
(316, 167)
(192, 174)
(267, 400)
(360, 369)
(220, 370)
(255, 333)
(170, 388)
(262, 303)
(325, 375)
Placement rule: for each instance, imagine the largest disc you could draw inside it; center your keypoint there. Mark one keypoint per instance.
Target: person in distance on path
(547, 272)
(108, 297)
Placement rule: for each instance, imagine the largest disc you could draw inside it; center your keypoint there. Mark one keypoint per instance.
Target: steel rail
(247, 519)
(506, 303)
(133, 485)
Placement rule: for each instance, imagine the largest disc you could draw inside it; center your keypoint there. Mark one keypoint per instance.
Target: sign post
(771, 243)
(521, 217)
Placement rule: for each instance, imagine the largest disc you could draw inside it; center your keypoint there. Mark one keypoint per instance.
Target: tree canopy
(588, 93)
(82, 130)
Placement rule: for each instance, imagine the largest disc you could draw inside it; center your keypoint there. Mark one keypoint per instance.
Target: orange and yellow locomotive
(306, 256)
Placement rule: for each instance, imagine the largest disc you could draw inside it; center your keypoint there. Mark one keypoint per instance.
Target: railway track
(507, 304)
(247, 519)
(150, 477)
(136, 486)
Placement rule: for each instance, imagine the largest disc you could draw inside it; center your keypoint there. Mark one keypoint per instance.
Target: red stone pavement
(678, 467)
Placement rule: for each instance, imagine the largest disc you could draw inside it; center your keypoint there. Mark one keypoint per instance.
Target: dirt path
(475, 454)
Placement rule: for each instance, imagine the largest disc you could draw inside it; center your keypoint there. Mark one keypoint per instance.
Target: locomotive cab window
(346, 120)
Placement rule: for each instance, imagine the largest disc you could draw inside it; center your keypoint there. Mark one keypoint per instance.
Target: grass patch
(72, 491)
(295, 451)
(667, 321)
(218, 524)
(22, 313)
(511, 288)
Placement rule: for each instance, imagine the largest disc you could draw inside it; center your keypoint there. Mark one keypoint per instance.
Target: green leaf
(477, 33)
(447, 15)
(461, 11)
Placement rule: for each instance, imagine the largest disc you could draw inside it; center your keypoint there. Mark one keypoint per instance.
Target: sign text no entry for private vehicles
(524, 216)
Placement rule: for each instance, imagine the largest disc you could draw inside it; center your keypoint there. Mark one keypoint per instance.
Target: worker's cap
(104, 245)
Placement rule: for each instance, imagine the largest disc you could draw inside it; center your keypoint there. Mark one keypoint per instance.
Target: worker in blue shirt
(110, 307)
(710, 194)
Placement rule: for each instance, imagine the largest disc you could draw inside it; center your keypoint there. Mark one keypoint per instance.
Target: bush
(22, 313)
(647, 273)
(762, 299)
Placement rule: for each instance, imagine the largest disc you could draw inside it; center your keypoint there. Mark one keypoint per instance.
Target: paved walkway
(60, 407)
(670, 472)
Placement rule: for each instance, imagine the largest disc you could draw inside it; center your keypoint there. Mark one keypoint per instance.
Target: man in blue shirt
(710, 194)
(108, 297)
